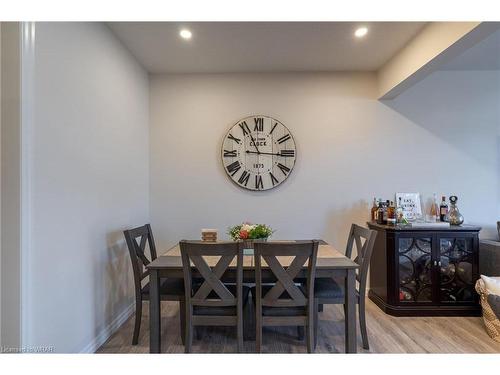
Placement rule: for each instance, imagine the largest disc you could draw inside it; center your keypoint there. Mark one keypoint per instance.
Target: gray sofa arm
(489, 258)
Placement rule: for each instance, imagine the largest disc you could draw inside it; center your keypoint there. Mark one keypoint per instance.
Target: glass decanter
(454, 215)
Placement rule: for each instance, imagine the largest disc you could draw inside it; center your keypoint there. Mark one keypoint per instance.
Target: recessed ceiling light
(361, 32)
(185, 33)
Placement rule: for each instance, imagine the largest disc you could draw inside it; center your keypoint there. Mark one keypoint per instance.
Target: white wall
(437, 137)
(88, 182)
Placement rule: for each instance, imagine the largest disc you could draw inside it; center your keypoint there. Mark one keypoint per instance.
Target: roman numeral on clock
(259, 124)
(237, 140)
(287, 153)
(283, 168)
(245, 128)
(233, 167)
(274, 180)
(229, 154)
(284, 138)
(244, 178)
(258, 182)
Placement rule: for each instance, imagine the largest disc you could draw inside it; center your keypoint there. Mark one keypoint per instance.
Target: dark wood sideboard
(425, 272)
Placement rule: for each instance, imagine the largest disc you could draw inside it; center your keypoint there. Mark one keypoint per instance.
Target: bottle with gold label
(374, 210)
(380, 213)
(391, 214)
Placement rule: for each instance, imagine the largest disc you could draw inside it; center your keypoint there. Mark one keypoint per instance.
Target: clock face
(258, 153)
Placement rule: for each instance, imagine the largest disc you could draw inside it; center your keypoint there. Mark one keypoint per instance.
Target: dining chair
(170, 289)
(332, 291)
(284, 303)
(209, 301)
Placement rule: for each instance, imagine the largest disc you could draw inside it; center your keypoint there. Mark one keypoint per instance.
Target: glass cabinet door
(415, 269)
(455, 269)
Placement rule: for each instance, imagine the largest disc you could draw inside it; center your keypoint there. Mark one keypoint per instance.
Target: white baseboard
(111, 328)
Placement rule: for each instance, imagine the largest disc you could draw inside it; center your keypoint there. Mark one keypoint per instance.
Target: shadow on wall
(460, 109)
(114, 291)
(340, 220)
(453, 104)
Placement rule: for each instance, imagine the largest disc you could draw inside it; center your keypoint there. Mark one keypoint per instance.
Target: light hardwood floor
(387, 334)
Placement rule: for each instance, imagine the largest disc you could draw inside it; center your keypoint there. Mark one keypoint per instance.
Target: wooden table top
(328, 258)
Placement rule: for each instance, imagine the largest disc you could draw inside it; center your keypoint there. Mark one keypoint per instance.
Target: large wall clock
(258, 153)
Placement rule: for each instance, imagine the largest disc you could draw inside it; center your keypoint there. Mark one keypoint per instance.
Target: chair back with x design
(137, 252)
(196, 255)
(364, 240)
(295, 255)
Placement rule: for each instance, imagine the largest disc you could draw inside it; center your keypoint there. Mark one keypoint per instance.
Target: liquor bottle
(386, 208)
(400, 219)
(443, 209)
(374, 210)
(391, 214)
(434, 211)
(380, 213)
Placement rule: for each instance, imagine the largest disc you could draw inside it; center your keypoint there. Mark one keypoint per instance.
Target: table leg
(154, 313)
(350, 310)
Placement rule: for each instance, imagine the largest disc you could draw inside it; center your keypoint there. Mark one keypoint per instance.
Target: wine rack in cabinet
(425, 272)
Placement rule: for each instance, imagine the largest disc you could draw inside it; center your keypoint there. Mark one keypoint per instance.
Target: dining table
(330, 263)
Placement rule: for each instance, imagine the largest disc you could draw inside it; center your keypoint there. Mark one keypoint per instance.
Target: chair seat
(223, 310)
(328, 288)
(168, 288)
(280, 311)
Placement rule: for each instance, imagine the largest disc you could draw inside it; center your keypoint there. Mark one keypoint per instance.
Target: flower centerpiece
(248, 232)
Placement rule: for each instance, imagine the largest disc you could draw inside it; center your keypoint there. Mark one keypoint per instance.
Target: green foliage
(258, 231)
(234, 232)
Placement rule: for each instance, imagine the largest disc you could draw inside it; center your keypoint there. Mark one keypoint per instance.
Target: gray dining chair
(284, 303)
(330, 291)
(209, 301)
(170, 289)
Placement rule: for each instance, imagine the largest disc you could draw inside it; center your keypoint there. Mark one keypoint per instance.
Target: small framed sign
(410, 205)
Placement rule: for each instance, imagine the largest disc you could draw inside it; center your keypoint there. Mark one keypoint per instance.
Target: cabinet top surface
(409, 228)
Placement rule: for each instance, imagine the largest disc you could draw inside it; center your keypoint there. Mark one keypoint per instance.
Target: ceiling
(484, 55)
(225, 47)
